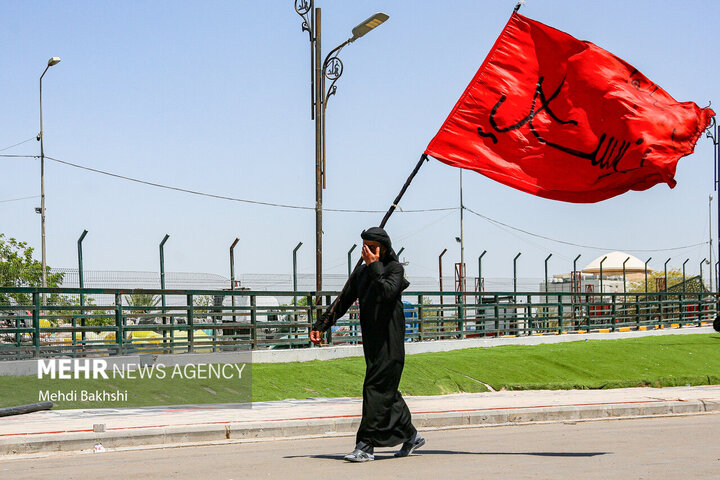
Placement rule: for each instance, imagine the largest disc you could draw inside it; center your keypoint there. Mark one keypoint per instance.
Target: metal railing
(208, 321)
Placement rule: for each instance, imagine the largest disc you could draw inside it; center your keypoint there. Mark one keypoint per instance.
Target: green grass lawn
(656, 361)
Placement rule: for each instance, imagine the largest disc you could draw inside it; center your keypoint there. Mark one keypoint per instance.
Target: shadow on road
(384, 456)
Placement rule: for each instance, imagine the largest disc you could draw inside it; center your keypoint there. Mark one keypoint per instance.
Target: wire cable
(20, 143)
(580, 245)
(17, 199)
(223, 197)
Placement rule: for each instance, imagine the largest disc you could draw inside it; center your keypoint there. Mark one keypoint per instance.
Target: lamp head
(372, 22)
(53, 61)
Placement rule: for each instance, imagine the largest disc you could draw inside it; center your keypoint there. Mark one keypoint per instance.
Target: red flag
(561, 118)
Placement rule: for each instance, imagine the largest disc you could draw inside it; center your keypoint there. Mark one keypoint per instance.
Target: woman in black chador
(378, 285)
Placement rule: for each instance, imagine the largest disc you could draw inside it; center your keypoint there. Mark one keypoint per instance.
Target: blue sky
(214, 96)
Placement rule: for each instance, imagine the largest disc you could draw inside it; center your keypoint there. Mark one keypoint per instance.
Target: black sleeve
(389, 280)
(341, 305)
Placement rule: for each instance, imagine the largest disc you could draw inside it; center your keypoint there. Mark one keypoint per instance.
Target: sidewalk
(79, 430)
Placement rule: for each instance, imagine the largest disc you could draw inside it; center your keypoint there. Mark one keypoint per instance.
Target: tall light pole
(331, 68)
(713, 134)
(51, 62)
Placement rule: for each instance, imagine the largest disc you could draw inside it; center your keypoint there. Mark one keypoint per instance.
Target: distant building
(613, 266)
(588, 280)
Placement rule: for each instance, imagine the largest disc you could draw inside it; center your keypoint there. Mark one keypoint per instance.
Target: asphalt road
(656, 448)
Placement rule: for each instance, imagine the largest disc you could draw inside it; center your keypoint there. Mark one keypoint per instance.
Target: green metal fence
(219, 320)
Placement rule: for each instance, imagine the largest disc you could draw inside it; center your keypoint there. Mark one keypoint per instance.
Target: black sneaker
(409, 447)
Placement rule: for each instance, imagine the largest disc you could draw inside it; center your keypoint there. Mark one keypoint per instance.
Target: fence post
(700, 309)
(253, 321)
(232, 270)
(82, 295)
(497, 316)
(191, 323)
(529, 319)
(329, 332)
(442, 307)
(461, 310)
(421, 313)
(561, 313)
(601, 279)
(120, 331)
(310, 317)
(36, 322)
(480, 282)
(162, 273)
(18, 337)
(575, 287)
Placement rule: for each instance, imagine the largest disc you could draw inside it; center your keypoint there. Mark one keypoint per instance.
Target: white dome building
(588, 280)
(613, 265)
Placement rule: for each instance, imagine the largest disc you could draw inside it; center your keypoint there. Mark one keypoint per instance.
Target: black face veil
(377, 234)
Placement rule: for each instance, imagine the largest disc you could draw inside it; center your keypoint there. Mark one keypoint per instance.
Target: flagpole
(423, 159)
(393, 206)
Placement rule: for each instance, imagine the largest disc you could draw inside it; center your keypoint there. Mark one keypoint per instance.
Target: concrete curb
(158, 436)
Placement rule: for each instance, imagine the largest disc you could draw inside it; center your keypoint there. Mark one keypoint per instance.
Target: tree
(145, 303)
(143, 300)
(656, 279)
(19, 269)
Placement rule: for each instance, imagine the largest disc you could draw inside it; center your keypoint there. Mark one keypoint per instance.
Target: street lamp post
(51, 62)
(331, 69)
(713, 133)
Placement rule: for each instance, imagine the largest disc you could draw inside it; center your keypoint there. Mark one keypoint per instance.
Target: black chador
(385, 416)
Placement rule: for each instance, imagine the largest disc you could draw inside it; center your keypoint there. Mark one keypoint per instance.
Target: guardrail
(111, 323)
